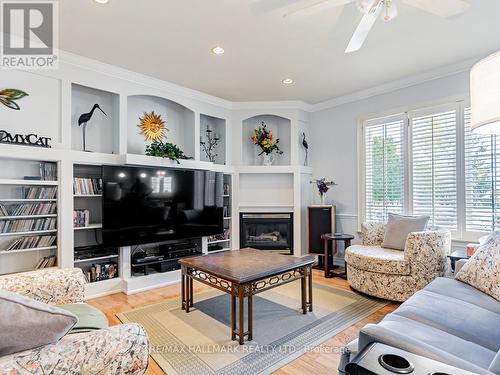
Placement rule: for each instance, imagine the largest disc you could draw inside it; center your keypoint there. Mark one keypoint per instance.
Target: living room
(258, 187)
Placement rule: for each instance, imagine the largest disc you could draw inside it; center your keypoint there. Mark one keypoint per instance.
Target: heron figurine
(84, 118)
(306, 147)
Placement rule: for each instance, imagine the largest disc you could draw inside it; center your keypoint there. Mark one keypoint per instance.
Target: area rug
(199, 342)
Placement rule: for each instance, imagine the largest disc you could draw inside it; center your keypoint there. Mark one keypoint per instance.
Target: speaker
(321, 219)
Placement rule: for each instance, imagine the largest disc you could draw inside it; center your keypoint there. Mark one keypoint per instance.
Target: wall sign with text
(24, 140)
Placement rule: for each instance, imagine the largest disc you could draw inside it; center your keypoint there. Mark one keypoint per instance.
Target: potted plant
(263, 138)
(323, 186)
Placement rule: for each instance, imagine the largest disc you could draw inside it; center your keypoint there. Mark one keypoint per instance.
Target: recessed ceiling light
(102, 1)
(218, 50)
(287, 81)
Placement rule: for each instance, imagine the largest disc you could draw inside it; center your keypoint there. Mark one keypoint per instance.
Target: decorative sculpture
(210, 145)
(84, 118)
(152, 126)
(8, 98)
(306, 147)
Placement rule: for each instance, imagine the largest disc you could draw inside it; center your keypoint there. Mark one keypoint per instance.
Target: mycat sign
(29, 34)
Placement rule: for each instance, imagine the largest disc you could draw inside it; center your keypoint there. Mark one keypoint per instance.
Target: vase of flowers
(323, 186)
(263, 138)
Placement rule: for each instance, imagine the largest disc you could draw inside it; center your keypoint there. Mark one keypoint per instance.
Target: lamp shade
(485, 95)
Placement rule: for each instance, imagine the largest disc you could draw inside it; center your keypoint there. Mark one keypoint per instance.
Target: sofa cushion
(377, 259)
(399, 227)
(26, 323)
(462, 319)
(461, 291)
(428, 341)
(482, 270)
(89, 318)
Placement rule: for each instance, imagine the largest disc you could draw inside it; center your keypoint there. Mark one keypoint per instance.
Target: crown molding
(285, 104)
(414, 80)
(141, 79)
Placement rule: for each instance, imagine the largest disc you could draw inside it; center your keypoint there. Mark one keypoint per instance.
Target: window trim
(458, 103)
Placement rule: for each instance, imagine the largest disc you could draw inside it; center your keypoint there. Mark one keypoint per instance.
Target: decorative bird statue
(83, 119)
(306, 146)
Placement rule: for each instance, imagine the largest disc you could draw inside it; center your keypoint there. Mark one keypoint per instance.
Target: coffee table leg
(250, 315)
(233, 313)
(191, 292)
(183, 288)
(309, 277)
(241, 312)
(303, 290)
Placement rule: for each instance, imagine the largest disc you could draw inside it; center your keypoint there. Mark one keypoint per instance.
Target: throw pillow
(482, 270)
(399, 227)
(27, 324)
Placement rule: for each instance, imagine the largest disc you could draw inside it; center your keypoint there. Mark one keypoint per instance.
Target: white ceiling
(171, 40)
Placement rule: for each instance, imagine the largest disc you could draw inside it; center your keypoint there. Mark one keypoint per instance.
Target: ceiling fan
(387, 9)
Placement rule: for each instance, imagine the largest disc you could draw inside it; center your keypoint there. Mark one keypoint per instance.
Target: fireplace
(267, 231)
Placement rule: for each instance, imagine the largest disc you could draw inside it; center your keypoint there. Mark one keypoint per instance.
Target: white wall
(334, 136)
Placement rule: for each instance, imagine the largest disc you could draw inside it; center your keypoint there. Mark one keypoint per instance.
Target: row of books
(81, 218)
(27, 209)
(26, 225)
(87, 186)
(105, 271)
(36, 192)
(48, 171)
(46, 262)
(31, 242)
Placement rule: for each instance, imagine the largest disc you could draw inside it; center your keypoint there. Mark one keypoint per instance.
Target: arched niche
(179, 121)
(279, 126)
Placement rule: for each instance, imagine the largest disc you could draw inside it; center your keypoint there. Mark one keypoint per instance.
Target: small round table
(328, 250)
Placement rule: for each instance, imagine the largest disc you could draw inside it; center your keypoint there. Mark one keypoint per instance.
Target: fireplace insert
(267, 231)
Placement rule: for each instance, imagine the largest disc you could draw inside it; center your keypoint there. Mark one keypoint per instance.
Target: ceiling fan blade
(317, 7)
(442, 8)
(364, 27)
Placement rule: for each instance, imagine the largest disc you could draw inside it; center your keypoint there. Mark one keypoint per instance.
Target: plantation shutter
(384, 167)
(482, 180)
(433, 164)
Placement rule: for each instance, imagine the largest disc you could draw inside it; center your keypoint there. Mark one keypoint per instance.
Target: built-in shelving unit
(28, 215)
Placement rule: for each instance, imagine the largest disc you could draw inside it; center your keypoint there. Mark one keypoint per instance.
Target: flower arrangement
(323, 186)
(264, 139)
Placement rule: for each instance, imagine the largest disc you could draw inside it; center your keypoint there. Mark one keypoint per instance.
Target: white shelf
(28, 233)
(26, 217)
(219, 251)
(263, 169)
(153, 161)
(218, 241)
(95, 259)
(87, 195)
(228, 218)
(28, 250)
(226, 195)
(28, 182)
(91, 226)
(28, 200)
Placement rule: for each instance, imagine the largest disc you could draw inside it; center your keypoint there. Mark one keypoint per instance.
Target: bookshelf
(28, 215)
(99, 264)
(222, 242)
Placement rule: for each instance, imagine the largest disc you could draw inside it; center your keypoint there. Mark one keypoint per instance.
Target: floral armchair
(122, 349)
(395, 274)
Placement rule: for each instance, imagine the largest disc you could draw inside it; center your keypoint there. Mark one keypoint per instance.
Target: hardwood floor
(320, 363)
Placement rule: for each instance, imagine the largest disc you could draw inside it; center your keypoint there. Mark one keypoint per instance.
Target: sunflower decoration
(152, 126)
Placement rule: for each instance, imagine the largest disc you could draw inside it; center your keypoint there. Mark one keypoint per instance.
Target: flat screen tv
(146, 205)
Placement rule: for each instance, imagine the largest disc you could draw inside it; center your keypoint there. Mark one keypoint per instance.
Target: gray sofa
(448, 321)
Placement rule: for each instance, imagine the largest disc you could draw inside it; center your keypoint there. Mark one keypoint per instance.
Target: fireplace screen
(267, 231)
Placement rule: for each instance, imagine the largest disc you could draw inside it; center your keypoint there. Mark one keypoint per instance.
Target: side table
(457, 255)
(332, 238)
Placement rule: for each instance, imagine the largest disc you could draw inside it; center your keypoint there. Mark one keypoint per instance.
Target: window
(434, 166)
(429, 162)
(482, 180)
(384, 166)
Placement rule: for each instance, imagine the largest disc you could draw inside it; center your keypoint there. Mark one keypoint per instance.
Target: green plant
(166, 150)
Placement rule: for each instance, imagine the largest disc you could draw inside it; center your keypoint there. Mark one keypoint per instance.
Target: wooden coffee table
(244, 273)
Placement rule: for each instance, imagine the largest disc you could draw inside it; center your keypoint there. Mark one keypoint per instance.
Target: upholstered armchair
(394, 274)
(122, 349)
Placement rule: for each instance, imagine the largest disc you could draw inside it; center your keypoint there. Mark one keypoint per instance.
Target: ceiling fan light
(390, 11)
(364, 5)
(485, 95)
